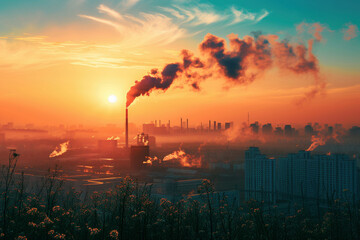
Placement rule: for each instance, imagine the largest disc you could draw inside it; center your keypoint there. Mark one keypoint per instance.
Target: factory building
(138, 155)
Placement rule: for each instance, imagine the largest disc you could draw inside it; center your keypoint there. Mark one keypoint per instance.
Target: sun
(112, 98)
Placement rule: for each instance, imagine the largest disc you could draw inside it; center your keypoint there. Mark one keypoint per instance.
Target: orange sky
(64, 73)
(73, 94)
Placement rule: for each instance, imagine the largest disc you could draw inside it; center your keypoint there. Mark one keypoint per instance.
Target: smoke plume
(162, 81)
(60, 150)
(241, 63)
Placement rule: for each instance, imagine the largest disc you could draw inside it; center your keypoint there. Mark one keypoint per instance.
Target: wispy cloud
(104, 9)
(141, 30)
(22, 52)
(262, 15)
(351, 31)
(243, 15)
(129, 3)
(134, 35)
(196, 15)
(173, 12)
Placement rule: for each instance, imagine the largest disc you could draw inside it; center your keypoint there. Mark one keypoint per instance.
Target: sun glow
(112, 98)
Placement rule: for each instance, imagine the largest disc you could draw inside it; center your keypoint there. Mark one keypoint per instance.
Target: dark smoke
(154, 81)
(242, 62)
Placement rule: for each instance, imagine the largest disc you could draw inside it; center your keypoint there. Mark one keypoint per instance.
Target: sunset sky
(61, 60)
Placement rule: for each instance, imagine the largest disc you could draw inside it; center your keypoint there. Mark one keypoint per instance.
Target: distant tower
(181, 124)
(209, 125)
(187, 124)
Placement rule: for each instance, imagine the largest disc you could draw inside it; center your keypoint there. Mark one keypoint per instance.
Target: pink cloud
(350, 32)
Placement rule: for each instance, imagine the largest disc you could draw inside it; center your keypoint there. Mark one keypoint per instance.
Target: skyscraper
(259, 176)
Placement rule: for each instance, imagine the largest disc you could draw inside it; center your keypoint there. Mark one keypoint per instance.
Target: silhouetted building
(229, 125)
(142, 139)
(149, 128)
(267, 128)
(289, 131)
(138, 155)
(330, 130)
(309, 130)
(255, 127)
(354, 131)
(219, 126)
(278, 131)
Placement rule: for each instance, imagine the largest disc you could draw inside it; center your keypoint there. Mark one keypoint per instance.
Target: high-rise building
(259, 176)
(292, 172)
(229, 125)
(289, 131)
(309, 130)
(255, 127)
(324, 177)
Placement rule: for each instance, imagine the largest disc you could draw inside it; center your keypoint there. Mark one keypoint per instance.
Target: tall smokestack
(127, 129)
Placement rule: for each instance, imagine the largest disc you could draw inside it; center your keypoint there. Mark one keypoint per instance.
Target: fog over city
(134, 119)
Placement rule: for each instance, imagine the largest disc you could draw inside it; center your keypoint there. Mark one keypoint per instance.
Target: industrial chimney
(126, 129)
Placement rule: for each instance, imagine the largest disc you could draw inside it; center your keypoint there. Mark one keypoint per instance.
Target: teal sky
(19, 16)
